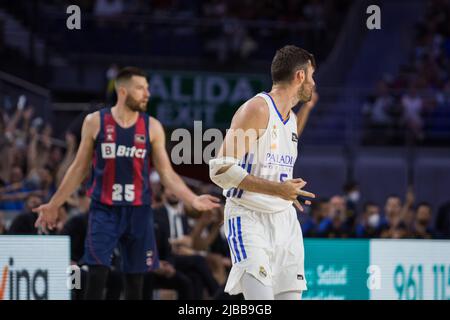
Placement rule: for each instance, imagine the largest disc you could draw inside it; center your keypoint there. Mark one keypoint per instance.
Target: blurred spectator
(166, 277)
(2, 224)
(23, 224)
(380, 113)
(173, 220)
(334, 225)
(13, 194)
(352, 196)
(393, 210)
(397, 217)
(443, 221)
(310, 223)
(370, 226)
(204, 234)
(422, 228)
(157, 191)
(399, 231)
(422, 82)
(412, 105)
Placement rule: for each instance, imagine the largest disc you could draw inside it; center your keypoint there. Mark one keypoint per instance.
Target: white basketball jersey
(271, 157)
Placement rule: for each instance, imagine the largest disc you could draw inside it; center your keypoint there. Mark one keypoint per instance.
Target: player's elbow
(226, 173)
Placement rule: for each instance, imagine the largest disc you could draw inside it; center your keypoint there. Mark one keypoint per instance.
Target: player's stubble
(136, 105)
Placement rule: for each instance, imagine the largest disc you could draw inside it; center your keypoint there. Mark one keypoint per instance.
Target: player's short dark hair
(287, 61)
(128, 72)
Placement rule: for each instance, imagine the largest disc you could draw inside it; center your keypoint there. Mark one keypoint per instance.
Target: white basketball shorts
(267, 245)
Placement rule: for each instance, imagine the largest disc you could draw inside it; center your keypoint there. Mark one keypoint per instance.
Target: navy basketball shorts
(130, 228)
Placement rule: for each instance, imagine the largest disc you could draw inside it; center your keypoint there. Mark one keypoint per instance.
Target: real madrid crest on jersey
(262, 272)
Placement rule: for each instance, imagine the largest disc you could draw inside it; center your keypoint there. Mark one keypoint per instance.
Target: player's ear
(122, 90)
(300, 76)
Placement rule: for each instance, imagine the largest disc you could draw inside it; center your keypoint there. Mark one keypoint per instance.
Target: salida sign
(179, 98)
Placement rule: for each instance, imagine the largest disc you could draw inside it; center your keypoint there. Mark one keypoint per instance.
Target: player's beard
(135, 105)
(304, 94)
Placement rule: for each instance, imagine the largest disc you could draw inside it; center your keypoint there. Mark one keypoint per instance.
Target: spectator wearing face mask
(352, 197)
(371, 223)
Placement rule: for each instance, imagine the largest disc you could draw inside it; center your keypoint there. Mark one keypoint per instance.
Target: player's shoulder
(255, 107)
(154, 123)
(156, 130)
(91, 125)
(92, 118)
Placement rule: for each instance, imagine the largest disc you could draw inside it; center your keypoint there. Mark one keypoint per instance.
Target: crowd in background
(224, 32)
(417, 98)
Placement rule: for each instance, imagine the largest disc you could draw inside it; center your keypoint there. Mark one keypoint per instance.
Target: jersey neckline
(276, 109)
(117, 123)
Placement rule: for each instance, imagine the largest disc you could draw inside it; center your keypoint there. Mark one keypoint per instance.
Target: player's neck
(123, 115)
(284, 99)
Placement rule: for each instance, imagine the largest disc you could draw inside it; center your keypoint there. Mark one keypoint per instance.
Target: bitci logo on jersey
(111, 151)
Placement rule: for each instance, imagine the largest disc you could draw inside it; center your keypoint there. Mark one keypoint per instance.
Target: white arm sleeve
(232, 177)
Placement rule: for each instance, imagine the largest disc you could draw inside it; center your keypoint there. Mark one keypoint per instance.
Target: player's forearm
(74, 176)
(171, 180)
(259, 185)
(68, 159)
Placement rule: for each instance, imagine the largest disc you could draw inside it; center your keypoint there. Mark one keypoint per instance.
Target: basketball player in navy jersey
(120, 141)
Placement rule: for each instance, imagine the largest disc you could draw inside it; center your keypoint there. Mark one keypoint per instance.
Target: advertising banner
(378, 269)
(34, 267)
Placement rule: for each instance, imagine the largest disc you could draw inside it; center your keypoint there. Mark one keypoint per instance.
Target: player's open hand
(205, 202)
(48, 216)
(291, 189)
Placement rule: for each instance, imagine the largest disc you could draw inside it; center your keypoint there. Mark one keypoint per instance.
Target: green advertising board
(179, 98)
(378, 269)
(336, 269)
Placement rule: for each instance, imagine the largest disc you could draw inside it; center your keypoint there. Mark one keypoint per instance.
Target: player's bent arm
(169, 178)
(80, 166)
(225, 171)
(302, 118)
(304, 111)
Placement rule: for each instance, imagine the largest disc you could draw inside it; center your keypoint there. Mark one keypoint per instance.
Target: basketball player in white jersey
(261, 225)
